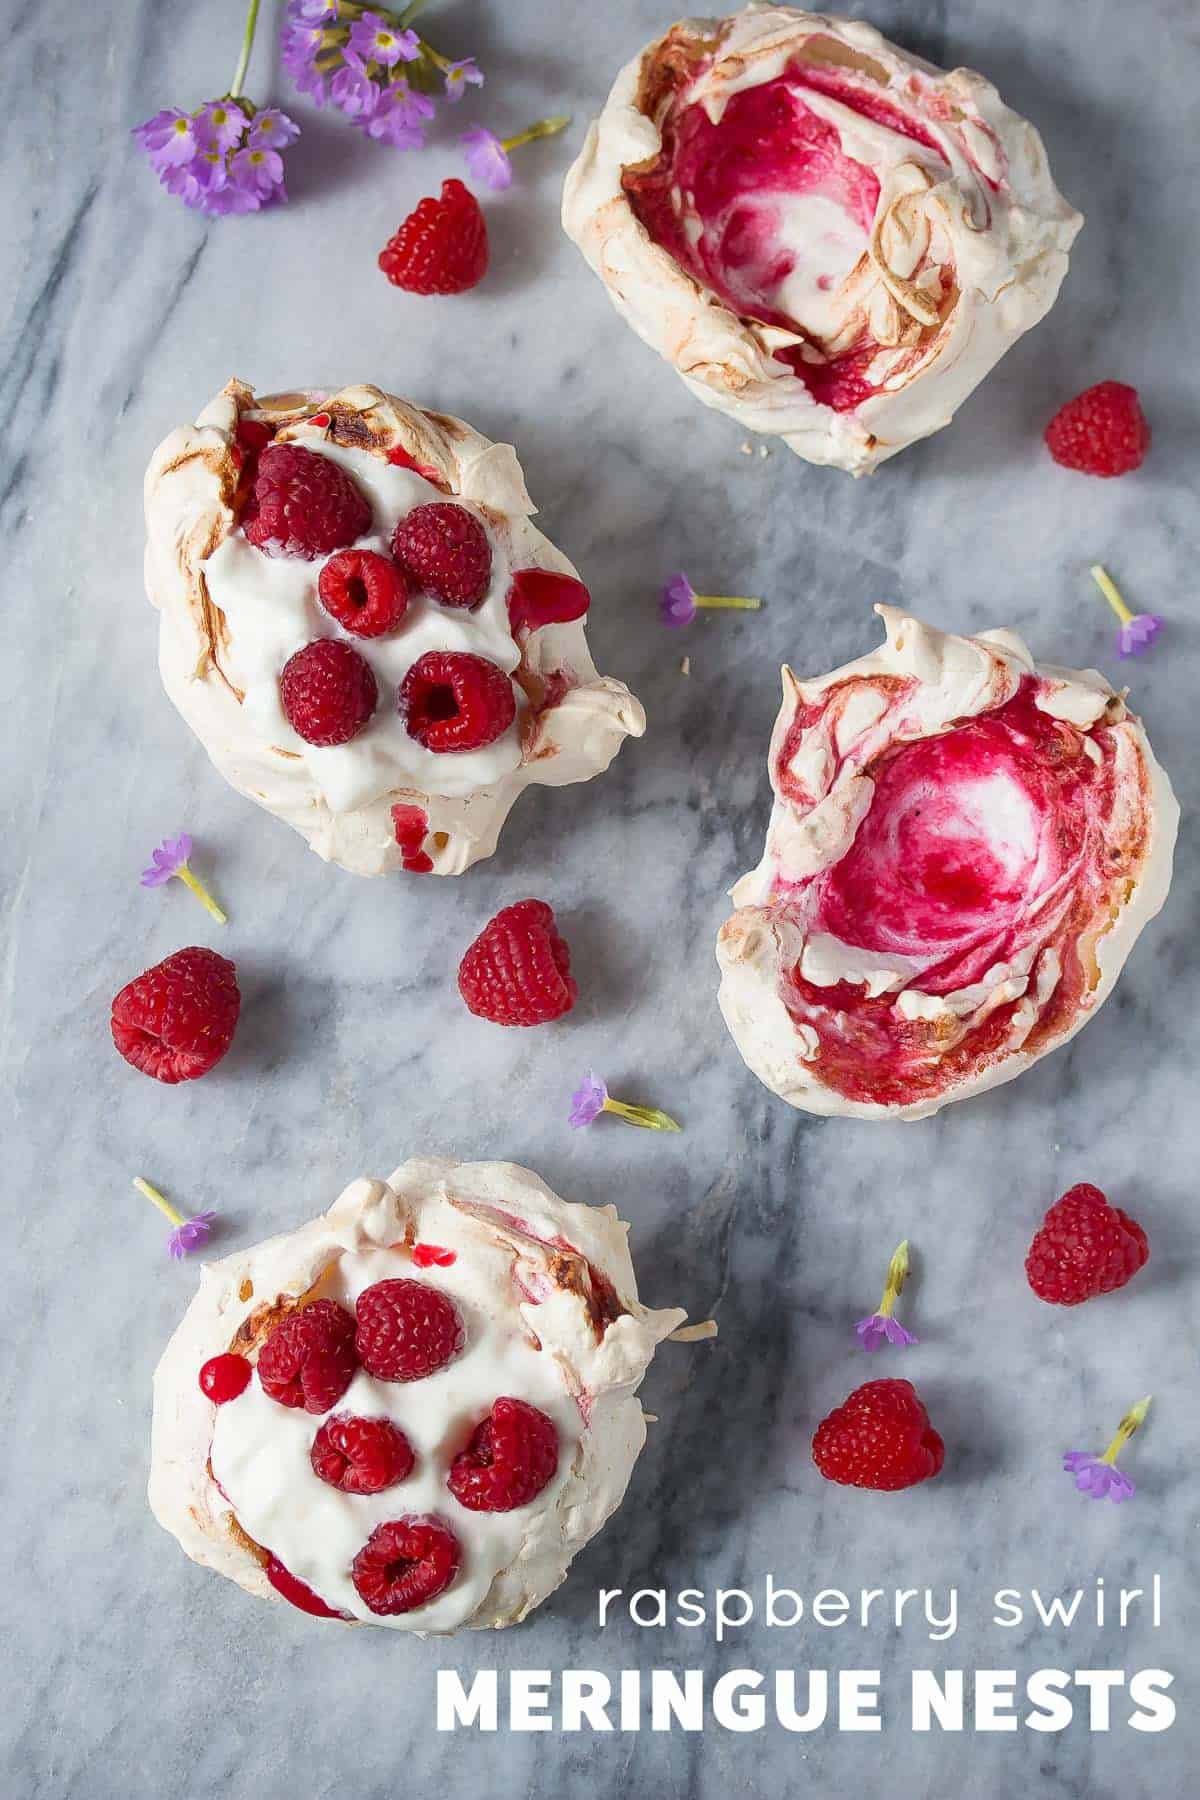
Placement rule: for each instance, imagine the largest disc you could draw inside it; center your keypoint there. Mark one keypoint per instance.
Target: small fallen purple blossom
(171, 858)
(188, 1234)
(224, 157)
(881, 1327)
(1137, 631)
(593, 1098)
(1098, 1476)
(487, 156)
(679, 602)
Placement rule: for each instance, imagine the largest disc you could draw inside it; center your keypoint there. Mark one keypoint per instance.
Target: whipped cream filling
(829, 238)
(548, 1299)
(961, 853)
(272, 609)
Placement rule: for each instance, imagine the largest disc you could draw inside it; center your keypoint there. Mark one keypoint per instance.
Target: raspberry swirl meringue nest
(828, 238)
(547, 1300)
(961, 854)
(233, 615)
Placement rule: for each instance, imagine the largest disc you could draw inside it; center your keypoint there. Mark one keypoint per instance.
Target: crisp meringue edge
(749, 998)
(674, 314)
(187, 1503)
(187, 516)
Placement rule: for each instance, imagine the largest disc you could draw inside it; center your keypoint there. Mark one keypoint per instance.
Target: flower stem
(648, 1117)
(543, 129)
(1125, 1430)
(896, 1276)
(239, 74)
(202, 894)
(732, 602)
(1111, 592)
(160, 1200)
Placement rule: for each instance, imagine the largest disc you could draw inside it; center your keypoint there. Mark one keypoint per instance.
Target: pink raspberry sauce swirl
(936, 889)
(777, 217)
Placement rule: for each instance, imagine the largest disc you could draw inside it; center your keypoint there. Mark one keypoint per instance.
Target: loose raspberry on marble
(298, 1593)
(512, 1455)
(442, 246)
(309, 1358)
(406, 1330)
(328, 692)
(518, 970)
(406, 1563)
(223, 1378)
(366, 593)
(177, 1020)
(303, 504)
(361, 1456)
(443, 549)
(1085, 1247)
(1102, 431)
(879, 1438)
(453, 701)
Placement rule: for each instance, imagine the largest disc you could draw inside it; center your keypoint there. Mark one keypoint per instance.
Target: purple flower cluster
(226, 157)
(370, 67)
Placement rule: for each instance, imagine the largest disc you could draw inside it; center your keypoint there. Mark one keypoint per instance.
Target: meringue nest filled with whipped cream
(547, 1302)
(962, 852)
(233, 615)
(830, 240)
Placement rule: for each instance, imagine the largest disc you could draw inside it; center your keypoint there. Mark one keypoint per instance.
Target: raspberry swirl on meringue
(829, 238)
(962, 852)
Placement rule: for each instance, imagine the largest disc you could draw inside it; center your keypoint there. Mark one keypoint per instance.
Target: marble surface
(129, 1671)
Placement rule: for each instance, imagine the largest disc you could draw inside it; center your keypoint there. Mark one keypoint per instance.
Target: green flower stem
(896, 1277)
(731, 602)
(202, 894)
(648, 1117)
(160, 1200)
(544, 128)
(239, 74)
(1125, 1430)
(1111, 592)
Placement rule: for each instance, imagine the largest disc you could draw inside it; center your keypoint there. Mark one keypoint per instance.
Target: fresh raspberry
(452, 700)
(223, 1378)
(406, 1330)
(328, 692)
(405, 1563)
(297, 1592)
(309, 1359)
(302, 504)
(366, 593)
(442, 247)
(512, 1454)
(1103, 431)
(518, 970)
(177, 1020)
(361, 1456)
(1085, 1247)
(443, 549)
(879, 1438)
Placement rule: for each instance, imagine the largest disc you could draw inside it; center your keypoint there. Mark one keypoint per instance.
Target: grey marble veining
(128, 1671)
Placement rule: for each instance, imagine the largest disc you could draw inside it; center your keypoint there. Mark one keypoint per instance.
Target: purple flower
(272, 130)
(459, 76)
(352, 90)
(219, 125)
(167, 860)
(299, 46)
(486, 158)
(677, 603)
(587, 1102)
(190, 1235)
(1098, 1479)
(399, 117)
(258, 173)
(168, 139)
(1138, 633)
(314, 12)
(373, 38)
(881, 1326)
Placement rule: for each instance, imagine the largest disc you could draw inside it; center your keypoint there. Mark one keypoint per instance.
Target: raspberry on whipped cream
(330, 485)
(962, 852)
(505, 1448)
(829, 239)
